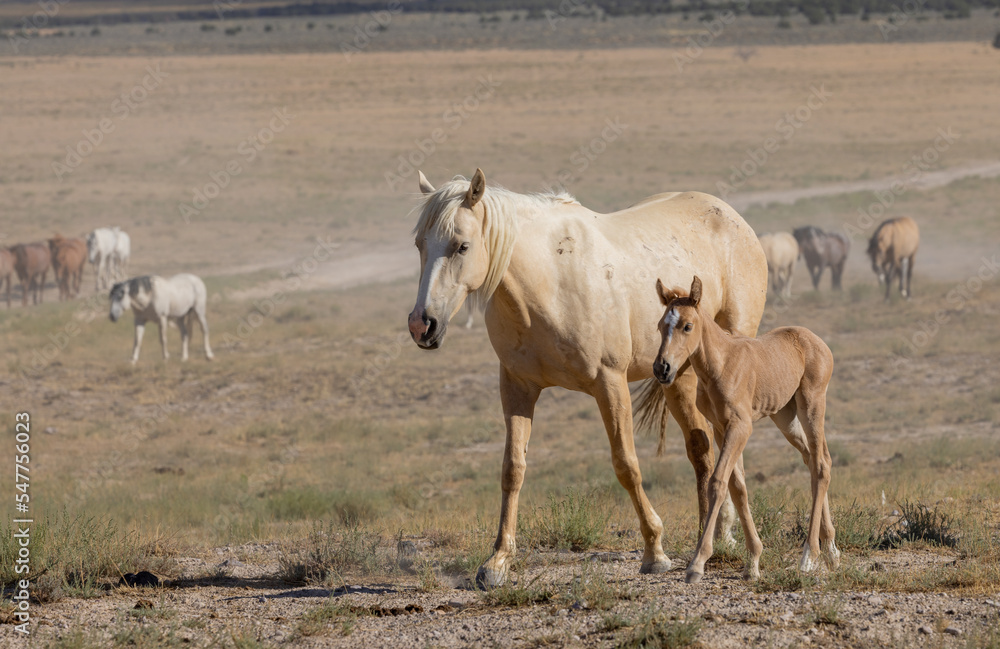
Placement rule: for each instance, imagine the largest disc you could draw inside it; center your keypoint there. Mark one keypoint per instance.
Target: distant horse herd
(891, 250)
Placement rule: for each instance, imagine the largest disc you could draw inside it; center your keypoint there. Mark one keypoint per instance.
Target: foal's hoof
(487, 578)
(656, 567)
(692, 577)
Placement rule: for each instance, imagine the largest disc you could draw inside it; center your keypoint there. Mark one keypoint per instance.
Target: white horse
(158, 299)
(100, 251)
(121, 254)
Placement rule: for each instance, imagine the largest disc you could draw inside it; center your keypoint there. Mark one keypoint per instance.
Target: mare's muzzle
(426, 331)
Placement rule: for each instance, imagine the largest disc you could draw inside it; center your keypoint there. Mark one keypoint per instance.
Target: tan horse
(32, 261)
(568, 304)
(892, 249)
(783, 375)
(69, 256)
(7, 272)
(782, 251)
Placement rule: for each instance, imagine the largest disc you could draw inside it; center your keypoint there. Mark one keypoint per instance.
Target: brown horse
(6, 270)
(69, 256)
(568, 304)
(32, 261)
(892, 249)
(783, 375)
(822, 250)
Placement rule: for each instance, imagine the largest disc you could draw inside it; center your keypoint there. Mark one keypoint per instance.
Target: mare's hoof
(487, 578)
(656, 568)
(693, 577)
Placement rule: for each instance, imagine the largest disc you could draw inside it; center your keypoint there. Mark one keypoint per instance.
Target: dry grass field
(323, 474)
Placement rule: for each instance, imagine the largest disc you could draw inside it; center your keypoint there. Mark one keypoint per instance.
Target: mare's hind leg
(184, 324)
(203, 323)
(909, 277)
(811, 404)
(615, 403)
(682, 403)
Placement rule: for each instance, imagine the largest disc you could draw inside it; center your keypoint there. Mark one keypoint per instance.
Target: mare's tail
(651, 411)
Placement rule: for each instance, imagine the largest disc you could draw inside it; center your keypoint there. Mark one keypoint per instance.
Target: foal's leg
(812, 409)
(518, 399)
(736, 435)
(615, 403)
(682, 401)
(740, 497)
(163, 336)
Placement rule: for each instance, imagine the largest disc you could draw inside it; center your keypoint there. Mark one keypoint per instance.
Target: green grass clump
(655, 628)
(576, 521)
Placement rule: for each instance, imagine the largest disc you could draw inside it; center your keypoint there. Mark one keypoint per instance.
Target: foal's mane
(500, 209)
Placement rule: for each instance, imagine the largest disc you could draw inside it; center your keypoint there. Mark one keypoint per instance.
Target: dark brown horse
(32, 261)
(6, 270)
(68, 259)
(822, 250)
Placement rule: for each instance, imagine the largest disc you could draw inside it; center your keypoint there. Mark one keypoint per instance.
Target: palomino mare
(781, 251)
(181, 299)
(7, 270)
(32, 261)
(568, 303)
(822, 250)
(892, 249)
(100, 252)
(783, 375)
(69, 256)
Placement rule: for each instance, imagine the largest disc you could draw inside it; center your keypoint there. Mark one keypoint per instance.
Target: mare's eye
(688, 327)
(464, 248)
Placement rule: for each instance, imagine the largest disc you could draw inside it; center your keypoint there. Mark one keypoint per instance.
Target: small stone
(925, 630)
(580, 605)
(875, 600)
(787, 616)
(562, 612)
(49, 430)
(953, 631)
(794, 596)
(575, 638)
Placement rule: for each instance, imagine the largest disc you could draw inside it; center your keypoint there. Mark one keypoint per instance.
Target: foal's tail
(651, 411)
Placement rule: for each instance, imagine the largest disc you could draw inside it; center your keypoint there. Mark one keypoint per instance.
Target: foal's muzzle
(664, 372)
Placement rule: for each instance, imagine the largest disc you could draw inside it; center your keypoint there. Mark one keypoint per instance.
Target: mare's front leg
(163, 336)
(518, 399)
(738, 429)
(615, 404)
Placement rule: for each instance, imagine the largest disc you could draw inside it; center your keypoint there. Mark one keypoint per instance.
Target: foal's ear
(476, 188)
(425, 185)
(666, 295)
(696, 290)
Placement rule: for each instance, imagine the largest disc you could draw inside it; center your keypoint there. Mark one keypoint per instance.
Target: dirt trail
(359, 265)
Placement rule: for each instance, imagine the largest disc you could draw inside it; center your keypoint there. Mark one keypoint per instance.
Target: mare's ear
(425, 185)
(666, 295)
(476, 188)
(696, 290)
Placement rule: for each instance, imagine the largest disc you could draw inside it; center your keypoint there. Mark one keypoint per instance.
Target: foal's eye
(688, 327)
(464, 248)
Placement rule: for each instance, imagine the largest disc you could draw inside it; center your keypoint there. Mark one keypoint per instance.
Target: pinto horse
(32, 261)
(69, 256)
(181, 298)
(892, 249)
(823, 250)
(783, 375)
(567, 299)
